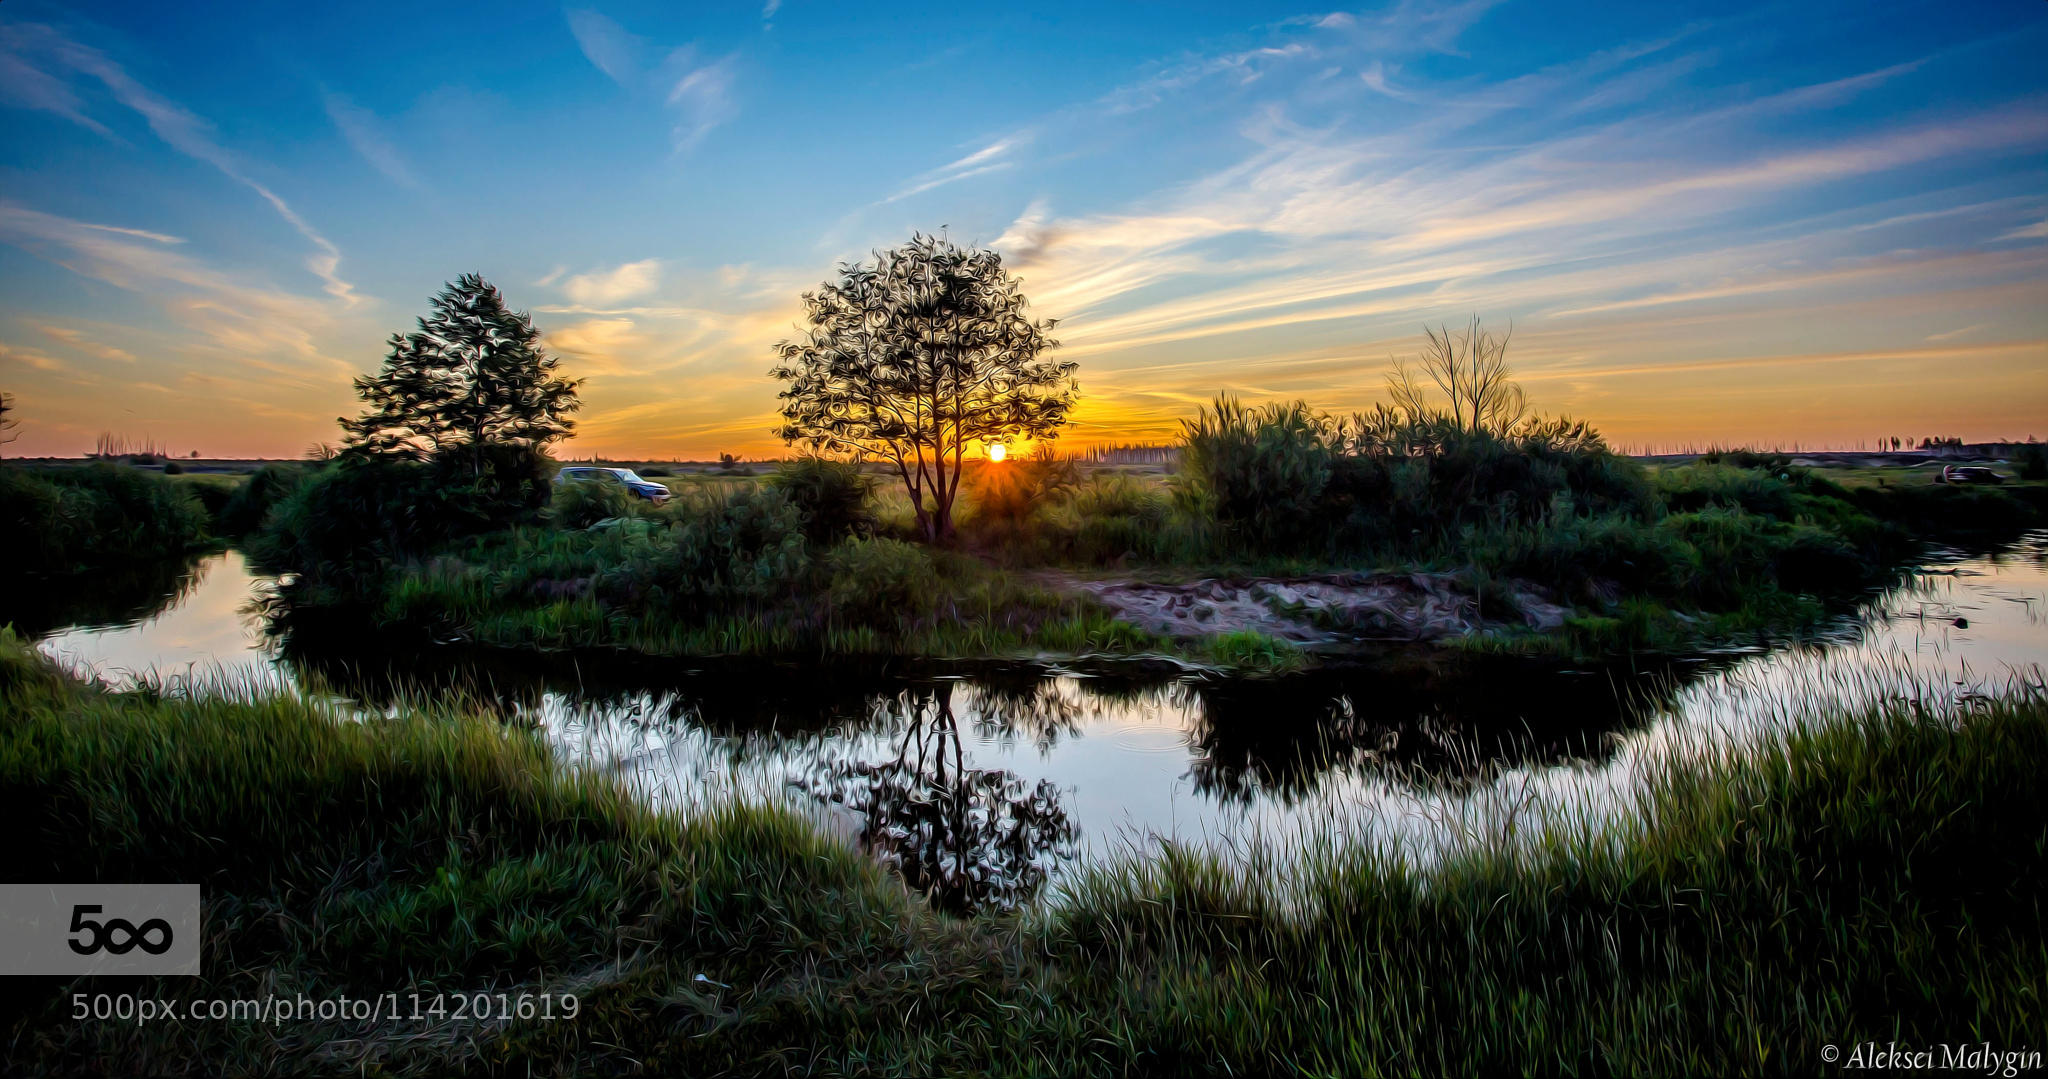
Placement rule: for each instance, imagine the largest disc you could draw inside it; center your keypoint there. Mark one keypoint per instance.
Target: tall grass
(75, 520)
(1849, 877)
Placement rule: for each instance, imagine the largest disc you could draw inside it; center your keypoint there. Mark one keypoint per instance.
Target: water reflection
(977, 781)
(968, 838)
(116, 596)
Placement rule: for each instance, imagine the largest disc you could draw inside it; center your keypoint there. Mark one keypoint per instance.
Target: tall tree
(916, 356)
(472, 375)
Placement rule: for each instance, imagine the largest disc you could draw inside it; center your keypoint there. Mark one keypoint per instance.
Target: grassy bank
(812, 561)
(1867, 877)
(63, 522)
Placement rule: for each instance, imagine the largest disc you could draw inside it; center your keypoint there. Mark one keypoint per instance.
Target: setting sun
(998, 451)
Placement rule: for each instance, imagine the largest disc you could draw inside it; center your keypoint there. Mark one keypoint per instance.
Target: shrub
(361, 513)
(582, 504)
(1262, 472)
(2032, 460)
(250, 503)
(882, 583)
(1006, 495)
(833, 497)
(1112, 517)
(173, 468)
(70, 520)
(730, 551)
(1738, 458)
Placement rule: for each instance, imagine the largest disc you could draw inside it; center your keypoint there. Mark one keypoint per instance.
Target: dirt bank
(1326, 609)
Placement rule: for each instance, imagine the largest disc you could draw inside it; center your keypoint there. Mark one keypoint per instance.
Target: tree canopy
(472, 375)
(915, 356)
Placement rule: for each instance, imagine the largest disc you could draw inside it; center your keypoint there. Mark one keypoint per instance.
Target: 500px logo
(74, 929)
(100, 935)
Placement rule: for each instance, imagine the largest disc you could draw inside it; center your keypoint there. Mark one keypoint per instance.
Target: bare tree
(1470, 369)
(916, 356)
(8, 424)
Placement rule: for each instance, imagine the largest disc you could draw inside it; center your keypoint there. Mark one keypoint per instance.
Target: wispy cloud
(607, 288)
(990, 158)
(606, 45)
(246, 322)
(26, 86)
(365, 133)
(87, 345)
(599, 345)
(187, 133)
(28, 357)
(696, 91)
(699, 96)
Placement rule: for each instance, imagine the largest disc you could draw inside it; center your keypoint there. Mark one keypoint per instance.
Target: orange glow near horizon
(1687, 252)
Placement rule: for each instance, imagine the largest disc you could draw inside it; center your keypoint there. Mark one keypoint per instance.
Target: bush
(1416, 483)
(709, 555)
(360, 514)
(584, 503)
(214, 493)
(73, 520)
(2032, 460)
(173, 468)
(1751, 459)
(1113, 517)
(883, 583)
(1262, 472)
(250, 503)
(833, 497)
(1007, 494)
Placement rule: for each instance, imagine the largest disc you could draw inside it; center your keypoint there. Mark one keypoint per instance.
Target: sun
(998, 451)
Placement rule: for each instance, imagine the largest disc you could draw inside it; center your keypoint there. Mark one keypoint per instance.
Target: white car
(634, 483)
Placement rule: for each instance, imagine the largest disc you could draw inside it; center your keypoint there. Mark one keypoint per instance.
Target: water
(1023, 770)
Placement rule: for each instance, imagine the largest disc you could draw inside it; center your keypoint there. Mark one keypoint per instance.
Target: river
(989, 777)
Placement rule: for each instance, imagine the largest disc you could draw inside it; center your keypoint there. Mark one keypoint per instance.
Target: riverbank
(1704, 556)
(1863, 877)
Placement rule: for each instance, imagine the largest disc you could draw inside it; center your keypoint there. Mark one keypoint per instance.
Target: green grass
(78, 520)
(1857, 877)
(1668, 560)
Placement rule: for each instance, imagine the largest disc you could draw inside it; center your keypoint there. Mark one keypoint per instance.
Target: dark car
(1966, 474)
(634, 483)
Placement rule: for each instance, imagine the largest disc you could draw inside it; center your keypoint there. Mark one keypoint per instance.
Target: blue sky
(1788, 224)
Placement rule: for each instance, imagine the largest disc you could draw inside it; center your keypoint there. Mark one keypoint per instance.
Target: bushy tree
(472, 375)
(916, 356)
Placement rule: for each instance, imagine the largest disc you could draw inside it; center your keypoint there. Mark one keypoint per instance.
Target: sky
(1798, 224)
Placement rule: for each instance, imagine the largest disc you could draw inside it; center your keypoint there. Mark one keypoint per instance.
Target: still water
(979, 781)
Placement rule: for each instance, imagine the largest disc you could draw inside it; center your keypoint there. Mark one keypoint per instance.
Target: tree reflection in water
(968, 838)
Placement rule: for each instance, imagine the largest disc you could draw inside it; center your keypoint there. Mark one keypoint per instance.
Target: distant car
(638, 487)
(1968, 474)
